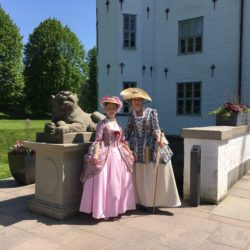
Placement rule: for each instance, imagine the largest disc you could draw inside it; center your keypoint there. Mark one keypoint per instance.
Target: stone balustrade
(225, 158)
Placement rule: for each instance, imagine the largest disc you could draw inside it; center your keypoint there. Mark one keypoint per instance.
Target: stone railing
(225, 158)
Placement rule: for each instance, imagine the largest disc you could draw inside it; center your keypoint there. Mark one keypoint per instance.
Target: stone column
(58, 169)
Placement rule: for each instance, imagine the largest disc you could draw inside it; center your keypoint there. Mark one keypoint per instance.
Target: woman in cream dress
(145, 139)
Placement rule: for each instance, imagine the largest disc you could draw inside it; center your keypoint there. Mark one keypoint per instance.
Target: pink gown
(108, 187)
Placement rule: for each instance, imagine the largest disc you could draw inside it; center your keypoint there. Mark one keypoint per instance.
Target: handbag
(165, 152)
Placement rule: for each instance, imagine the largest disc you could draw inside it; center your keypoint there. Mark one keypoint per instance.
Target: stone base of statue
(65, 138)
(58, 169)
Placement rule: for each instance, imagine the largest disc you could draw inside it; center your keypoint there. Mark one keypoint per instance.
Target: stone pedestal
(58, 169)
(65, 138)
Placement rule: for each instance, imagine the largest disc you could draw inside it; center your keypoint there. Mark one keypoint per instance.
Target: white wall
(107, 47)
(246, 56)
(220, 47)
(157, 46)
(110, 49)
(218, 158)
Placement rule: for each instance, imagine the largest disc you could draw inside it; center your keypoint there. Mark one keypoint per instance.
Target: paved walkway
(222, 227)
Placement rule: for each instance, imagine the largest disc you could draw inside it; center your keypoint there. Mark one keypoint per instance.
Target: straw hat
(131, 93)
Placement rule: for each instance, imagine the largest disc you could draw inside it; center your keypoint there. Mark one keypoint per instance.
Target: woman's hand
(94, 159)
(160, 143)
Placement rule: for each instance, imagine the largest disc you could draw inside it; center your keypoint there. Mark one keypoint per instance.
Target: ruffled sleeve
(155, 123)
(99, 132)
(90, 169)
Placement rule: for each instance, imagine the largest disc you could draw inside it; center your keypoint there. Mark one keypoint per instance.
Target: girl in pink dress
(107, 177)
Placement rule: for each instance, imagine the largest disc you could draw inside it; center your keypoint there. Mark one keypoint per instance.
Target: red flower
(116, 133)
(230, 107)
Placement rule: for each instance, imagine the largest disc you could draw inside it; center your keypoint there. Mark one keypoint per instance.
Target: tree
(54, 61)
(88, 95)
(11, 67)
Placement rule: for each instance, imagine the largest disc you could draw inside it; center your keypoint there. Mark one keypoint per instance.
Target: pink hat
(111, 99)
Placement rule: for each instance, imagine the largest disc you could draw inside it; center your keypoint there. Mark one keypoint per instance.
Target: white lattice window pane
(132, 40)
(189, 90)
(133, 23)
(183, 46)
(198, 44)
(129, 31)
(186, 29)
(190, 45)
(190, 35)
(188, 106)
(198, 27)
(189, 98)
(125, 86)
(197, 106)
(126, 22)
(180, 107)
(180, 90)
(197, 90)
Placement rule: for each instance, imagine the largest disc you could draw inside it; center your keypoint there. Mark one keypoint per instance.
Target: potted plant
(22, 163)
(22, 160)
(232, 114)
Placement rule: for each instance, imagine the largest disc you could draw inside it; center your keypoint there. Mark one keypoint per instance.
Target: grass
(12, 130)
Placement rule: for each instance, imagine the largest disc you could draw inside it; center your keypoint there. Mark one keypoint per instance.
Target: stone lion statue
(68, 117)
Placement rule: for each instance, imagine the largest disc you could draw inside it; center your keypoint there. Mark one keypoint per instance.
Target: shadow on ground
(14, 210)
(6, 183)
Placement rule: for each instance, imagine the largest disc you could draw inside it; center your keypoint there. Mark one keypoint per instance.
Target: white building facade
(185, 54)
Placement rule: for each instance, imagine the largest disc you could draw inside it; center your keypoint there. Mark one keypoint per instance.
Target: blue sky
(79, 15)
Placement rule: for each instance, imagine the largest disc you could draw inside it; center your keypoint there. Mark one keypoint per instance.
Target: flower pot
(22, 167)
(236, 119)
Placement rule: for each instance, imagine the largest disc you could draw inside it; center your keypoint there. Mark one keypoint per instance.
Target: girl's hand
(94, 159)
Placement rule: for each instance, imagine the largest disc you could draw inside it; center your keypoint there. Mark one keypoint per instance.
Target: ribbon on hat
(114, 99)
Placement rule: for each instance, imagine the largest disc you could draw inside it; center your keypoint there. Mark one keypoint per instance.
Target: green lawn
(12, 130)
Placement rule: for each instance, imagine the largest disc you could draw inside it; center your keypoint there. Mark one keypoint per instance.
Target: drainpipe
(241, 49)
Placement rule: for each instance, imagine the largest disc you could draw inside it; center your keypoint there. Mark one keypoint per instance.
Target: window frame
(187, 38)
(131, 84)
(185, 98)
(129, 31)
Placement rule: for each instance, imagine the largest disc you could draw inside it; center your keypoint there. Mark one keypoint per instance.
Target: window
(190, 35)
(125, 86)
(129, 31)
(189, 98)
